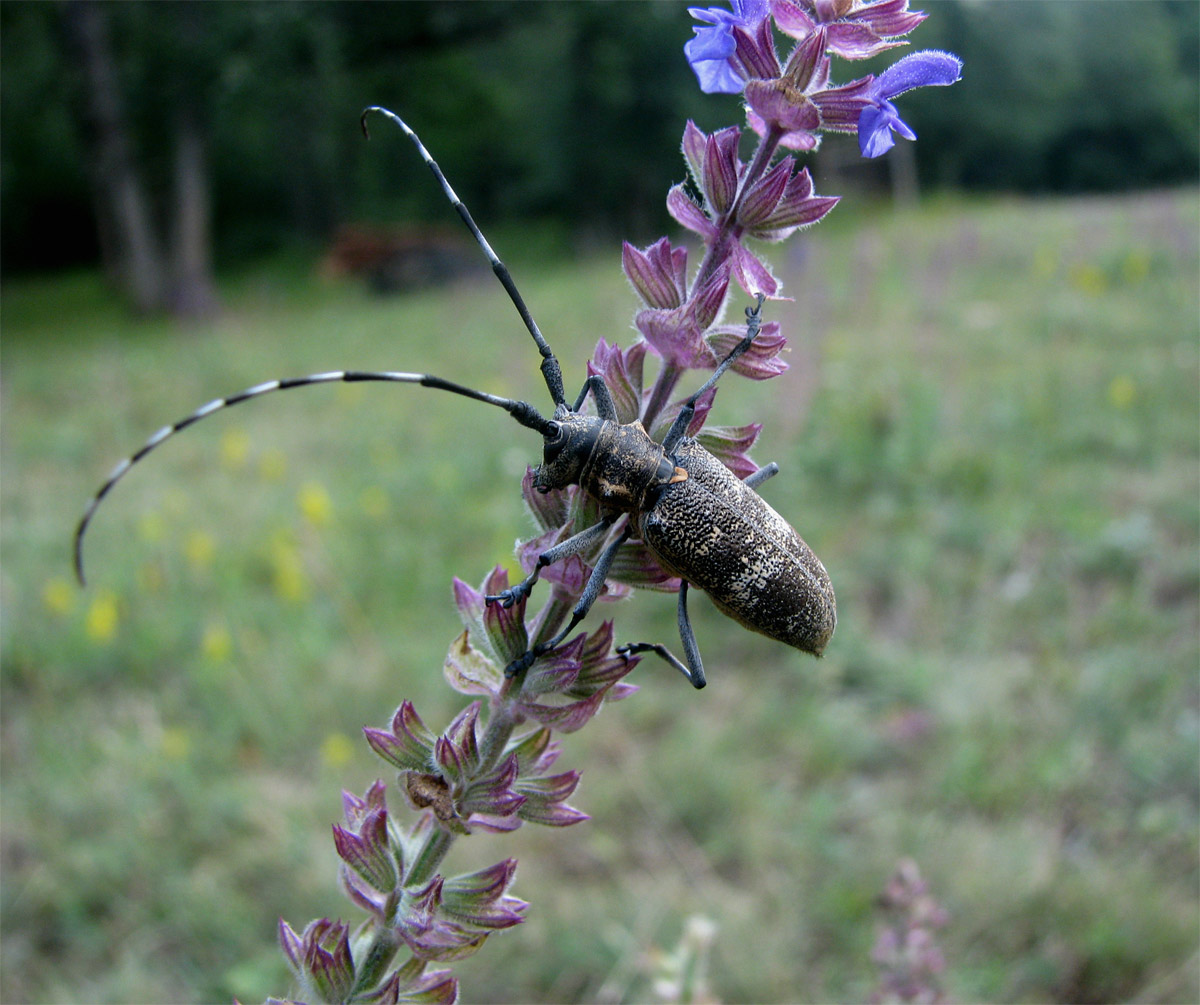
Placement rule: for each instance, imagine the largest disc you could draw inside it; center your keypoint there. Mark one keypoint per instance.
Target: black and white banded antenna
(523, 412)
(551, 371)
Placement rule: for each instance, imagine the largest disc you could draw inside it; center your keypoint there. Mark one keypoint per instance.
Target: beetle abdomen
(719, 534)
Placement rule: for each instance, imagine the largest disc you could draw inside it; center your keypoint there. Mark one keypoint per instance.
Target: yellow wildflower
(1122, 391)
(288, 576)
(102, 617)
(216, 644)
(337, 750)
(199, 548)
(59, 597)
(315, 505)
(1089, 279)
(235, 448)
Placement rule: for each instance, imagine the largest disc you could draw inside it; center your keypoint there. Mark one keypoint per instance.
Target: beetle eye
(554, 443)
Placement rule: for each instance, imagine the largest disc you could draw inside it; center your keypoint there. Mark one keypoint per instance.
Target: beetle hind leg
(694, 671)
(756, 478)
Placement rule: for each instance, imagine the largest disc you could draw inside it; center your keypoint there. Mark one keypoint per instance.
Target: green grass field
(989, 434)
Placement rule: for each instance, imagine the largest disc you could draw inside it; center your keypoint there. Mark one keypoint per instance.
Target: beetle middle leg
(591, 591)
(564, 549)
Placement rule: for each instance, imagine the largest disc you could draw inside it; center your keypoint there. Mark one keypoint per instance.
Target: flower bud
(622, 372)
(480, 899)
(409, 745)
(364, 848)
(658, 274)
(320, 958)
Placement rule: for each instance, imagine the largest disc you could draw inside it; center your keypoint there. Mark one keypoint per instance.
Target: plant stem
(664, 384)
(376, 959)
(429, 857)
(716, 253)
(495, 738)
(726, 224)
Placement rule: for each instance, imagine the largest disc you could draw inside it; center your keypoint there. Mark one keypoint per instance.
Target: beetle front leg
(684, 418)
(591, 591)
(564, 549)
(606, 408)
(694, 671)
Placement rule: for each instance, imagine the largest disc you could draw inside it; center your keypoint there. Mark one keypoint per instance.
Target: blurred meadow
(989, 434)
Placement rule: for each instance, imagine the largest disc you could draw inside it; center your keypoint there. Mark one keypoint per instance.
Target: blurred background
(988, 433)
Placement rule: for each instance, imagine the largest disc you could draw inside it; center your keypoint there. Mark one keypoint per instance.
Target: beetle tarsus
(633, 648)
(522, 662)
(506, 598)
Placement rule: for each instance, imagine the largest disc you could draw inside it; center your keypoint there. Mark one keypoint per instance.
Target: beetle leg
(691, 651)
(694, 671)
(684, 418)
(564, 549)
(632, 648)
(591, 591)
(606, 408)
(761, 475)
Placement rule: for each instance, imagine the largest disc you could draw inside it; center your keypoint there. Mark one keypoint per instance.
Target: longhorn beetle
(703, 523)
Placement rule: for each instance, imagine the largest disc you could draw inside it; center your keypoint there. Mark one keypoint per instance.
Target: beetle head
(566, 451)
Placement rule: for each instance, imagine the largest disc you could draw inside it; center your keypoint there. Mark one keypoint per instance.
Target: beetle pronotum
(703, 523)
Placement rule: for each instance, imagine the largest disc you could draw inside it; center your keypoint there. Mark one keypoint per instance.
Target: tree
(171, 271)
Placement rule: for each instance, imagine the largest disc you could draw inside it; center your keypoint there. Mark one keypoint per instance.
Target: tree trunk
(193, 293)
(128, 236)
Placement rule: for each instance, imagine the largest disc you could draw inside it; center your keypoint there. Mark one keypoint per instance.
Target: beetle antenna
(523, 412)
(551, 371)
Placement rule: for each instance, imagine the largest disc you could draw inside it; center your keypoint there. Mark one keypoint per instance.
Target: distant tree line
(230, 129)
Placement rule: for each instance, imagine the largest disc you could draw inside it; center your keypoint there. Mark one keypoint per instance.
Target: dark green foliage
(1066, 96)
(571, 111)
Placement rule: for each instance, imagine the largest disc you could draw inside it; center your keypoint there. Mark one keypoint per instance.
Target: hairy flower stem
(716, 253)
(664, 385)
(373, 964)
(500, 726)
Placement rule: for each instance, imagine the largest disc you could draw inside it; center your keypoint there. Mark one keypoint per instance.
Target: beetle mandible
(704, 524)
